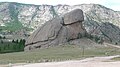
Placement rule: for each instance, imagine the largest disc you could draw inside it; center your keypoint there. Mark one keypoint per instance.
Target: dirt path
(116, 46)
(88, 62)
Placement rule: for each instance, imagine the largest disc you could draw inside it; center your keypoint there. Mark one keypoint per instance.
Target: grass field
(58, 53)
(116, 59)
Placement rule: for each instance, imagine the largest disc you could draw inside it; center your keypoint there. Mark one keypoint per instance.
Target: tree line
(14, 46)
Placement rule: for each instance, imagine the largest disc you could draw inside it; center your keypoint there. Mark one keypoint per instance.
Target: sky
(113, 4)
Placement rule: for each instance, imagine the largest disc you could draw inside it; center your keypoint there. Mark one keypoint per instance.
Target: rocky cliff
(33, 16)
(59, 30)
(98, 19)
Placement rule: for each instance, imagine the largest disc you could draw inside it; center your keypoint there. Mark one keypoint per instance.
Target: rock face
(59, 30)
(26, 18)
(109, 32)
(33, 16)
(73, 16)
(97, 18)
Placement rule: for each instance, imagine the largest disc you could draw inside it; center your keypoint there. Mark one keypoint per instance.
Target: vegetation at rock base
(14, 46)
(116, 59)
(95, 38)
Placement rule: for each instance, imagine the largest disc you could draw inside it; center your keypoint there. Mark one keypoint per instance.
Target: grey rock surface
(108, 29)
(31, 17)
(55, 32)
(73, 16)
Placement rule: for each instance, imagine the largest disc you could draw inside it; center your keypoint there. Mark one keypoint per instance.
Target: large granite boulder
(59, 30)
(73, 16)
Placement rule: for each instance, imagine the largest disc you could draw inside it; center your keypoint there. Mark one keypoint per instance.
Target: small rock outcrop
(59, 30)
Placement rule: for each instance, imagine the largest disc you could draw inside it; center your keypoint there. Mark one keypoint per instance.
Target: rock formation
(17, 17)
(59, 30)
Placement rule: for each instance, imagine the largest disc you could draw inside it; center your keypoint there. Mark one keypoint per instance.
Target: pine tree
(2, 41)
(17, 41)
(4, 37)
(13, 41)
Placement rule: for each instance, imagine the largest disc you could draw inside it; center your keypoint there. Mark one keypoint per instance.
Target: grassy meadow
(116, 59)
(58, 53)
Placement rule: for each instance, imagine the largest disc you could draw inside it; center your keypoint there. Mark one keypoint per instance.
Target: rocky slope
(59, 30)
(99, 20)
(34, 16)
